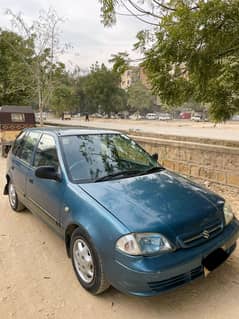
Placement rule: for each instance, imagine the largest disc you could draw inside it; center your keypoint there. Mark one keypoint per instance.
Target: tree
(83, 101)
(43, 34)
(139, 97)
(15, 76)
(191, 50)
(120, 62)
(102, 88)
(62, 99)
(63, 96)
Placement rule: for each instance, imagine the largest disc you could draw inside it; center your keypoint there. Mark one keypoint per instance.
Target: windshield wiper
(113, 175)
(152, 170)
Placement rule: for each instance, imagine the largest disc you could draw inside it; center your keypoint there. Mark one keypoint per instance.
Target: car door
(21, 159)
(45, 195)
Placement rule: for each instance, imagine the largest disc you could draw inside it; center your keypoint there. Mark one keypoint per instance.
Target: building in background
(134, 74)
(129, 77)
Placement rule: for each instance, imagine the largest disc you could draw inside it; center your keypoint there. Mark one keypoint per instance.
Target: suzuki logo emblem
(205, 234)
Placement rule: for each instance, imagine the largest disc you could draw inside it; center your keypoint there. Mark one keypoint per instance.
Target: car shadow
(25, 211)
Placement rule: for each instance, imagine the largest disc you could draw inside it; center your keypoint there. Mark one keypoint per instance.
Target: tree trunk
(40, 105)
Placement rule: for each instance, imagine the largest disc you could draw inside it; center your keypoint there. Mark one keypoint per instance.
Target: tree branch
(137, 17)
(141, 10)
(164, 6)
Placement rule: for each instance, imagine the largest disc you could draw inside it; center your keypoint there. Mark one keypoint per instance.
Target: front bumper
(148, 276)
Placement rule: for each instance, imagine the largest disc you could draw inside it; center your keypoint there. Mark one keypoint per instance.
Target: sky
(82, 29)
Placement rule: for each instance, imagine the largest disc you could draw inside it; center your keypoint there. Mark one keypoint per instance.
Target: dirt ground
(225, 131)
(37, 280)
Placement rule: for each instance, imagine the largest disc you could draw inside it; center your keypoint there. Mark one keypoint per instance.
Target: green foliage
(63, 98)
(193, 54)
(16, 59)
(102, 89)
(139, 97)
(18, 81)
(43, 36)
(108, 11)
(120, 62)
(196, 55)
(143, 37)
(27, 78)
(83, 100)
(97, 91)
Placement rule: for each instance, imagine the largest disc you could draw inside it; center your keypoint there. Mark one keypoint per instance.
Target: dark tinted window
(89, 157)
(18, 142)
(29, 143)
(46, 154)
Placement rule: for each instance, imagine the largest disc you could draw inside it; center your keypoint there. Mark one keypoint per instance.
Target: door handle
(31, 180)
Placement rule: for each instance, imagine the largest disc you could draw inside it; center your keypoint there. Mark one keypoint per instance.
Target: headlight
(228, 213)
(143, 244)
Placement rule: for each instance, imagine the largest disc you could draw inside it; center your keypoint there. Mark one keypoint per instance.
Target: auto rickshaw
(12, 120)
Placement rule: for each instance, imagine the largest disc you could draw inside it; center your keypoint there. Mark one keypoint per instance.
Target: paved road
(37, 281)
(228, 131)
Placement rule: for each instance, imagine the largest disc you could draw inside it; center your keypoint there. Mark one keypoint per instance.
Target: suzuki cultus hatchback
(126, 220)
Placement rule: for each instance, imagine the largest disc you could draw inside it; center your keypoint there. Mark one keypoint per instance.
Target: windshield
(94, 157)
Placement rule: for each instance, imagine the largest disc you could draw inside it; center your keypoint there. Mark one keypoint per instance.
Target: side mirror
(155, 156)
(47, 172)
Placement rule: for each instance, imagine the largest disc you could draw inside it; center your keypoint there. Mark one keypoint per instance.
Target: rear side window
(29, 143)
(18, 117)
(46, 153)
(17, 144)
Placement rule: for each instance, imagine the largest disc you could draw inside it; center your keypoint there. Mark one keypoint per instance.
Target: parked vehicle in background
(97, 115)
(123, 115)
(120, 116)
(135, 116)
(126, 220)
(37, 116)
(151, 116)
(197, 117)
(164, 117)
(12, 120)
(235, 117)
(66, 116)
(76, 115)
(185, 115)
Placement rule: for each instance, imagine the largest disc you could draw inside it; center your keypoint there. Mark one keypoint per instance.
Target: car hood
(161, 202)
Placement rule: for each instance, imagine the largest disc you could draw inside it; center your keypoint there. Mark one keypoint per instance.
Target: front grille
(194, 239)
(177, 280)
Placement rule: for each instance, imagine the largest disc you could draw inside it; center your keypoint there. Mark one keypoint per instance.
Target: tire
(87, 263)
(15, 203)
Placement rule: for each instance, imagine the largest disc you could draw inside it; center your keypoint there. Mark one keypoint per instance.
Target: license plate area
(215, 259)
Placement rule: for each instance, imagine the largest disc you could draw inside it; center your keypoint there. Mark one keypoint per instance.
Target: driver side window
(46, 153)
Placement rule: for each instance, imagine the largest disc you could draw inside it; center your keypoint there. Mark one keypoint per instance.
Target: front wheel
(87, 263)
(13, 198)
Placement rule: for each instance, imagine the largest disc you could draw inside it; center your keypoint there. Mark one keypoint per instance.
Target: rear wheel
(87, 263)
(15, 204)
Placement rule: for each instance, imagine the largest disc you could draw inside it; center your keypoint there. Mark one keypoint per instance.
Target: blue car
(126, 220)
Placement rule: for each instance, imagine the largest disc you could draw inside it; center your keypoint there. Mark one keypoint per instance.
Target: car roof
(16, 109)
(66, 131)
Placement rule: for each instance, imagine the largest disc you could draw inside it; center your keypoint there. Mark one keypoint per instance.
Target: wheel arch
(5, 191)
(68, 233)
